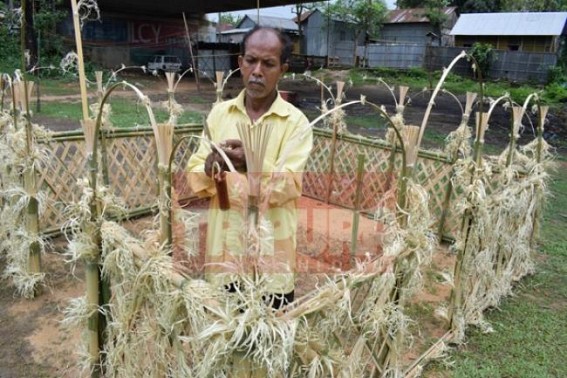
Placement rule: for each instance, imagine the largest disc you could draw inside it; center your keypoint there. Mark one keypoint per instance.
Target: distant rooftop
(273, 22)
(521, 23)
(413, 15)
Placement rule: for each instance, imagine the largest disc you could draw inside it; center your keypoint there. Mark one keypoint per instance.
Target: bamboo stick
(30, 183)
(219, 85)
(92, 229)
(81, 68)
(517, 115)
(338, 100)
(356, 212)
(195, 69)
(437, 89)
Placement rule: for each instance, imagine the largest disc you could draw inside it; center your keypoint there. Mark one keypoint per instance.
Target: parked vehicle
(164, 63)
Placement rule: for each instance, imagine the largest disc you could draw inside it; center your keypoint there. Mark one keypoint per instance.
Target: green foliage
(46, 18)
(482, 54)
(229, 18)
(533, 5)
(50, 43)
(555, 92)
(9, 50)
(434, 12)
(360, 15)
(408, 4)
(477, 6)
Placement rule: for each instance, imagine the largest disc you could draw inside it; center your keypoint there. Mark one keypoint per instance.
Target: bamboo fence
(154, 320)
(312, 349)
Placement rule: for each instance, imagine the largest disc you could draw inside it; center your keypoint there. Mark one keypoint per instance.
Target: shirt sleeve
(286, 180)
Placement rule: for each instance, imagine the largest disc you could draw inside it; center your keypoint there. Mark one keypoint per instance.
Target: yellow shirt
(288, 148)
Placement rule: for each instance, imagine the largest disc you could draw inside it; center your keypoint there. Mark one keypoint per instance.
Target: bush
(9, 51)
(482, 53)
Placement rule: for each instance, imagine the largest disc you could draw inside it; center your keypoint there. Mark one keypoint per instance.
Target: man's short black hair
(284, 40)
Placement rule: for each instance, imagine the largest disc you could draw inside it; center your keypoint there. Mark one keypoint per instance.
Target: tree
(229, 18)
(534, 5)
(409, 4)
(361, 16)
(477, 6)
(436, 16)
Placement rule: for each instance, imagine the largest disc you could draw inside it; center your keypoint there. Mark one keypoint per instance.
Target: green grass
(530, 338)
(418, 79)
(125, 112)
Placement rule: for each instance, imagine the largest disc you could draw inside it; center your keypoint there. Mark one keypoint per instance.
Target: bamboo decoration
(517, 115)
(22, 92)
(540, 126)
(99, 86)
(457, 141)
(400, 106)
(219, 85)
(434, 94)
(336, 123)
(456, 316)
(81, 64)
(91, 228)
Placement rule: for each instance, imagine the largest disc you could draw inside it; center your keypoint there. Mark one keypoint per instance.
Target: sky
(281, 11)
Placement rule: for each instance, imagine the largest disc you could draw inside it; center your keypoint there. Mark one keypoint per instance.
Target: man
(265, 52)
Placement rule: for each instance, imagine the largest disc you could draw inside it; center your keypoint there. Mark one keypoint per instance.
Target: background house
(525, 31)
(324, 36)
(413, 26)
(286, 25)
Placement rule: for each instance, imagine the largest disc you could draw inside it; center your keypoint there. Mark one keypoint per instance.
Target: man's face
(260, 65)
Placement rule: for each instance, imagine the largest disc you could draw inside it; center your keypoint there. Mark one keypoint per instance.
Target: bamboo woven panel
(433, 173)
(342, 183)
(132, 169)
(435, 176)
(58, 176)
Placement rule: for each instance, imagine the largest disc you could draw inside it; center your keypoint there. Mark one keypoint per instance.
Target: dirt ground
(34, 343)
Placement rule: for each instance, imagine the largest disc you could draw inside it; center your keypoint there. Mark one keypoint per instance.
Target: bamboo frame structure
(191, 328)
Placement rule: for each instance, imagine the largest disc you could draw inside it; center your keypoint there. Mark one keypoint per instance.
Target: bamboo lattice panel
(132, 168)
(432, 172)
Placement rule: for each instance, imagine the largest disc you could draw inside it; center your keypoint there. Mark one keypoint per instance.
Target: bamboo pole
(30, 183)
(517, 114)
(195, 69)
(338, 100)
(539, 156)
(470, 98)
(456, 299)
(91, 228)
(219, 85)
(81, 63)
(356, 212)
(434, 94)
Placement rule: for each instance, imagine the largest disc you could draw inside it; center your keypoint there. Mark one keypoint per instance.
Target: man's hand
(214, 157)
(233, 150)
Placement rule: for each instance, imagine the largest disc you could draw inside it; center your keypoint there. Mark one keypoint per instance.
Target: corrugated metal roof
(524, 23)
(235, 31)
(273, 22)
(399, 16)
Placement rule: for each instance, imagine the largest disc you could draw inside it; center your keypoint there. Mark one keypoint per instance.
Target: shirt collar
(279, 107)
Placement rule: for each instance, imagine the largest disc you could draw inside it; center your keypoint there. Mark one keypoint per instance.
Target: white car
(164, 63)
